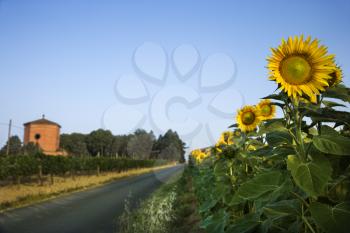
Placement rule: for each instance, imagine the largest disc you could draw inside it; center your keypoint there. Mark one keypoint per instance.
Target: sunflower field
(288, 174)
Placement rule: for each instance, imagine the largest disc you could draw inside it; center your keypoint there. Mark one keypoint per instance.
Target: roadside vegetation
(27, 175)
(288, 174)
(12, 196)
(171, 209)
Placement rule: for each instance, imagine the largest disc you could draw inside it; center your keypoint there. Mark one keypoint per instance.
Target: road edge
(31, 200)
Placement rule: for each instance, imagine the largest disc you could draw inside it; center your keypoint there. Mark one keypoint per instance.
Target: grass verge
(14, 196)
(170, 209)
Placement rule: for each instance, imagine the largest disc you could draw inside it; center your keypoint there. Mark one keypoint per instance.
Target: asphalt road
(94, 210)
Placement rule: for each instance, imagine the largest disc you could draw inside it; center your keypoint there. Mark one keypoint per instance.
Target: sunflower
(199, 155)
(266, 110)
(237, 133)
(337, 76)
(248, 118)
(301, 67)
(251, 147)
(226, 139)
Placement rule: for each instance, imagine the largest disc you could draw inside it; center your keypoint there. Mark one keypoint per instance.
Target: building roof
(41, 121)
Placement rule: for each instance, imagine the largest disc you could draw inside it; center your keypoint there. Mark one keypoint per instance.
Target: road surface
(91, 211)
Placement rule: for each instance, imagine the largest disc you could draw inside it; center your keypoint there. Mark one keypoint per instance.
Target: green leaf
(283, 150)
(280, 96)
(260, 184)
(282, 192)
(274, 120)
(278, 104)
(338, 92)
(263, 151)
(313, 176)
(265, 226)
(246, 224)
(327, 130)
(255, 142)
(282, 209)
(331, 219)
(215, 223)
(278, 137)
(332, 144)
(233, 126)
(331, 104)
(272, 126)
(328, 115)
(220, 168)
(207, 205)
(233, 200)
(221, 189)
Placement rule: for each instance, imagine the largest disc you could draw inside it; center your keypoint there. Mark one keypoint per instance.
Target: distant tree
(171, 152)
(140, 144)
(99, 142)
(170, 146)
(74, 144)
(15, 146)
(119, 146)
(31, 149)
(123, 145)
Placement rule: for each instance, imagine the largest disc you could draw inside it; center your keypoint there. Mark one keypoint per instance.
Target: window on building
(37, 136)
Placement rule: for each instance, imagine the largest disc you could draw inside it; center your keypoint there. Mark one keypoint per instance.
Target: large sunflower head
(337, 77)
(248, 118)
(266, 110)
(301, 66)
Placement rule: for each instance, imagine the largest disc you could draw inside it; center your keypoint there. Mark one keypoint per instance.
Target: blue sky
(62, 58)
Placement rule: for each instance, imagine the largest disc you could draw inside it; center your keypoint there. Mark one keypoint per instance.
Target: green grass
(170, 209)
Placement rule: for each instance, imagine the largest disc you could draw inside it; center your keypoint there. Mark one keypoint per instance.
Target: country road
(91, 211)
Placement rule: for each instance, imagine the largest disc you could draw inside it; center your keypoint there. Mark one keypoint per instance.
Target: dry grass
(18, 195)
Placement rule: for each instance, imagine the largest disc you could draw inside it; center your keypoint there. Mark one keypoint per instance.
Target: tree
(171, 152)
(140, 144)
(74, 144)
(31, 149)
(172, 144)
(15, 146)
(119, 146)
(99, 141)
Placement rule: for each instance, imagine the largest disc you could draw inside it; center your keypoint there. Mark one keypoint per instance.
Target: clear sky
(63, 59)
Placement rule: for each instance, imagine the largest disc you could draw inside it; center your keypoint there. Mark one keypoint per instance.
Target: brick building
(44, 133)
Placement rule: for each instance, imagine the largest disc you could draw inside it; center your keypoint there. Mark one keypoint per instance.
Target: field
(33, 183)
(265, 174)
(287, 174)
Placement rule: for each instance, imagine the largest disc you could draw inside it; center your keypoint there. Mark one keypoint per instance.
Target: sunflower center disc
(296, 70)
(266, 110)
(248, 118)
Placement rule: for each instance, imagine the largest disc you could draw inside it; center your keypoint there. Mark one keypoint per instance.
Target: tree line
(102, 143)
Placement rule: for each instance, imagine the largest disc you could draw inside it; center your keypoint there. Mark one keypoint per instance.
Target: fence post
(98, 170)
(40, 175)
(51, 178)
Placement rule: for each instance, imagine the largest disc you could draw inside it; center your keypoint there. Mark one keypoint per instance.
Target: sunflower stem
(319, 124)
(299, 137)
